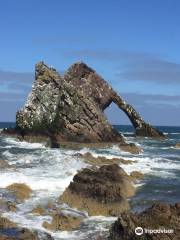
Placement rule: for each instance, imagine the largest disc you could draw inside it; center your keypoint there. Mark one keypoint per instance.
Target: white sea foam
(49, 171)
(23, 144)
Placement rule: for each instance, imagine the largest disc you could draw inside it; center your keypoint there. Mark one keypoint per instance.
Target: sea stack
(71, 108)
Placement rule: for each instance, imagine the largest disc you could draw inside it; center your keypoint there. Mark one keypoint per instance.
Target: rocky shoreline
(68, 112)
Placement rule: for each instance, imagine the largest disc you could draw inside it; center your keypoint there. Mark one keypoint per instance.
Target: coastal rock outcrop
(102, 191)
(70, 108)
(58, 109)
(96, 88)
(159, 217)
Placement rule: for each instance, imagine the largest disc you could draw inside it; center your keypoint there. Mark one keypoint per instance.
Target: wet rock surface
(102, 191)
(131, 148)
(4, 164)
(6, 205)
(159, 216)
(100, 161)
(136, 175)
(63, 222)
(20, 190)
(177, 145)
(10, 231)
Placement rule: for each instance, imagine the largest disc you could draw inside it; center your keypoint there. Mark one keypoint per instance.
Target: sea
(49, 171)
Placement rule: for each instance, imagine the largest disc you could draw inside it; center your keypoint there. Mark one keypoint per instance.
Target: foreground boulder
(159, 216)
(102, 191)
(70, 108)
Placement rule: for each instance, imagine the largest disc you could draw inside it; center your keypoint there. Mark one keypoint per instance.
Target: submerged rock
(63, 222)
(6, 205)
(177, 145)
(102, 191)
(132, 148)
(100, 160)
(10, 231)
(4, 164)
(39, 210)
(70, 108)
(159, 216)
(136, 175)
(20, 190)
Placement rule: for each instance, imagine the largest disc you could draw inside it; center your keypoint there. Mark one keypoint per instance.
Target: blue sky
(134, 45)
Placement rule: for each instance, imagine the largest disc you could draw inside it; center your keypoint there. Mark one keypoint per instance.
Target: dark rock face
(100, 191)
(159, 216)
(70, 108)
(57, 108)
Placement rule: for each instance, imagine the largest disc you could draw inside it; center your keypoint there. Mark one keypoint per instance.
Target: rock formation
(96, 88)
(63, 222)
(102, 191)
(70, 108)
(10, 231)
(159, 216)
(56, 107)
(20, 190)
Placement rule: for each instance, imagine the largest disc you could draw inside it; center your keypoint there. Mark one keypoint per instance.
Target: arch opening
(119, 119)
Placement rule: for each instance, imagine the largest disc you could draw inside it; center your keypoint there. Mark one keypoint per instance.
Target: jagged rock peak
(79, 69)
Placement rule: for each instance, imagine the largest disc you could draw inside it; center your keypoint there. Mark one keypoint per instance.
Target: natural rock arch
(71, 108)
(96, 88)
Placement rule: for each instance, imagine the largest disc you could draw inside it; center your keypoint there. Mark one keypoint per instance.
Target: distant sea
(49, 171)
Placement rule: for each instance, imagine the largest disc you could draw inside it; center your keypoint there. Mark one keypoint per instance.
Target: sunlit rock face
(96, 88)
(71, 108)
(57, 107)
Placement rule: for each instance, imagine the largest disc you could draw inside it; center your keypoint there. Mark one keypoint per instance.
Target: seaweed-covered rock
(102, 191)
(158, 217)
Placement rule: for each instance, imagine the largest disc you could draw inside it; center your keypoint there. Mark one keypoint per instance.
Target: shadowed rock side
(102, 191)
(96, 88)
(58, 109)
(159, 216)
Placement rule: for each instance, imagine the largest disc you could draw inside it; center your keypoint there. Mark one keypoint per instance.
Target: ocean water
(49, 171)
